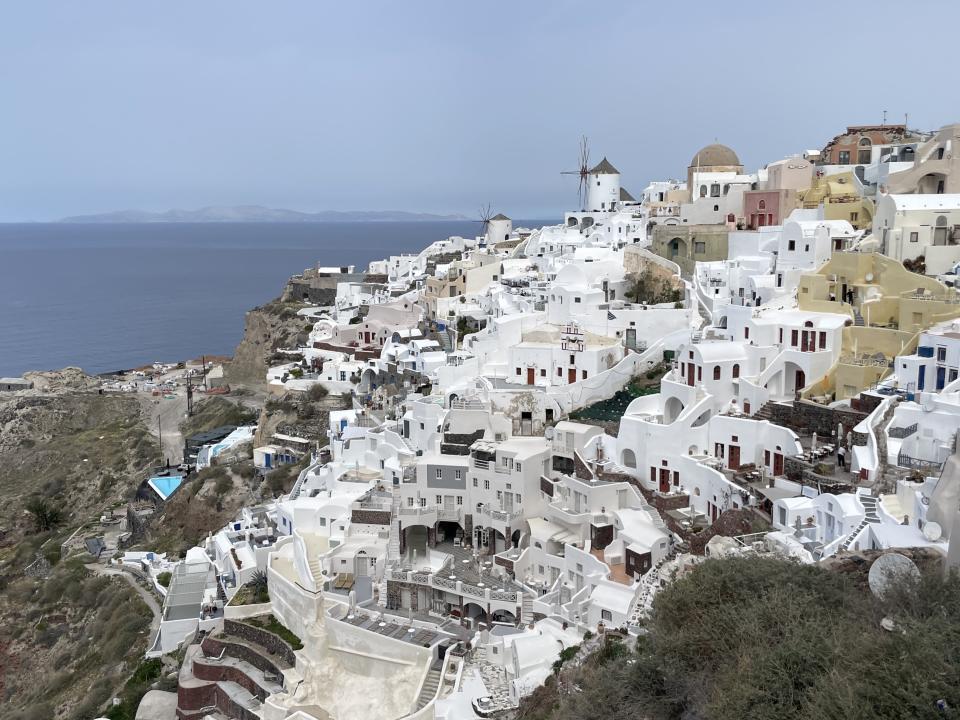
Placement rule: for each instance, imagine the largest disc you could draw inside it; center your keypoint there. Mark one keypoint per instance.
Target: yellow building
(887, 305)
(840, 198)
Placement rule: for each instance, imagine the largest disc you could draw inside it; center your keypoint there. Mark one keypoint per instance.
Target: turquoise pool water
(165, 485)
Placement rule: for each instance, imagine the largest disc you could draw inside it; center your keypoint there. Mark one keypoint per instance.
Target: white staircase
(871, 517)
(429, 688)
(526, 609)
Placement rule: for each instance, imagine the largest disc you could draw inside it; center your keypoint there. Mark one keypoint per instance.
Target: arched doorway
(414, 542)
(448, 531)
(503, 616)
(628, 459)
(474, 612)
(678, 247)
(515, 538)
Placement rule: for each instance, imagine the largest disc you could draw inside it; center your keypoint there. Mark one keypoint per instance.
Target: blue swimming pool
(166, 485)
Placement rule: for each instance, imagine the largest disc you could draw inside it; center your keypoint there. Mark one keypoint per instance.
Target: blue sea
(110, 297)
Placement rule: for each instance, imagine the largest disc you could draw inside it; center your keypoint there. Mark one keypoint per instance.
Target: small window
(573, 360)
(517, 467)
(517, 498)
(439, 473)
(941, 354)
(792, 245)
(794, 336)
(716, 372)
(703, 191)
(746, 332)
(736, 370)
(823, 340)
(543, 372)
(583, 374)
(715, 190)
(458, 473)
(576, 299)
(518, 371)
(439, 500)
(762, 205)
(409, 502)
(559, 372)
(474, 482)
(914, 236)
(699, 247)
(486, 484)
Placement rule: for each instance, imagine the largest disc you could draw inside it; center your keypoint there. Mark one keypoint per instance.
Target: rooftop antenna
(583, 170)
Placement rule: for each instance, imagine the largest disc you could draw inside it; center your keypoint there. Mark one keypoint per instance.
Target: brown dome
(715, 156)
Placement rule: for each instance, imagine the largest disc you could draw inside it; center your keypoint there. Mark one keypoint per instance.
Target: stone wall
(214, 645)
(371, 517)
(805, 417)
(274, 644)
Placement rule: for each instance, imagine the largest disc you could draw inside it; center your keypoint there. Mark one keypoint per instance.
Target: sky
(434, 106)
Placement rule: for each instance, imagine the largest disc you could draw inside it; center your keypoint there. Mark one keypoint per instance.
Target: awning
(774, 493)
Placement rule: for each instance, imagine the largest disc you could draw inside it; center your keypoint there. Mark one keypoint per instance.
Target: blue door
(920, 374)
(266, 458)
(941, 377)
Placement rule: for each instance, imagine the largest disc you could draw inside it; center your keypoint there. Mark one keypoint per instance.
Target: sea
(107, 297)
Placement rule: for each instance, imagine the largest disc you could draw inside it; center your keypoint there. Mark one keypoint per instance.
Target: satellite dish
(548, 432)
(890, 570)
(932, 531)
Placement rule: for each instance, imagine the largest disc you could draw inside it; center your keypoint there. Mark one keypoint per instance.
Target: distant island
(257, 214)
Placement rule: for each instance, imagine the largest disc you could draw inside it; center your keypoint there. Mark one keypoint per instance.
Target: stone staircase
(858, 319)
(429, 688)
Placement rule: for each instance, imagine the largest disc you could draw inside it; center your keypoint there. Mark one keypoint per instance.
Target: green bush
(164, 579)
(764, 638)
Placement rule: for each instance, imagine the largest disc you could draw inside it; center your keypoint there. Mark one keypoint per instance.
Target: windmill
(486, 215)
(583, 171)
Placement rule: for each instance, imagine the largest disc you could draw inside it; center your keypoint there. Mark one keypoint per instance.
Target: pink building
(767, 207)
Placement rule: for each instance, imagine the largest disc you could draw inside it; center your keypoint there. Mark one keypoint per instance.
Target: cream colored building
(913, 226)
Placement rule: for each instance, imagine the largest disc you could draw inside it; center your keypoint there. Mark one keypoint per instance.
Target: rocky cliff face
(266, 329)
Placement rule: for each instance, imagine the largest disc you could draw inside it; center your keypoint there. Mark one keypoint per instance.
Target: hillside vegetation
(754, 639)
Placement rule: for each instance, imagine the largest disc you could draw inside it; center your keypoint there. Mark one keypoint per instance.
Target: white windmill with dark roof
(603, 187)
(496, 228)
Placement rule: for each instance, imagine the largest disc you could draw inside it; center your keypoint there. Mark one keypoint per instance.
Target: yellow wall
(889, 285)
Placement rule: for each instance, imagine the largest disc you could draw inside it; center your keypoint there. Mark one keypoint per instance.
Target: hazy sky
(434, 106)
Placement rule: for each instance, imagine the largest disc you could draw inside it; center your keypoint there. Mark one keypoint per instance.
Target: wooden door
(801, 380)
(734, 457)
(664, 480)
(572, 375)
(690, 369)
(531, 373)
(777, 464)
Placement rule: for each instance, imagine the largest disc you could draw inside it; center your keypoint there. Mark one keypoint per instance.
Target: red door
(664, 480)
(777, 464)
(801, 380)
(803, 341)
(734, 457)
(531, 372)
(690, 374)
(572, 375)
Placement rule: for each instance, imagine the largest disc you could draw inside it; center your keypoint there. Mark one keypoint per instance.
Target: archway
(628, 459)
(678, 247)
(368, 381)
(931, 184)
(415, 543)
(504, 616)
(448, 531)
(453, 399)
(572, 222)
(472, 611)
(671, 410)
(515, 538)
(794, 379)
